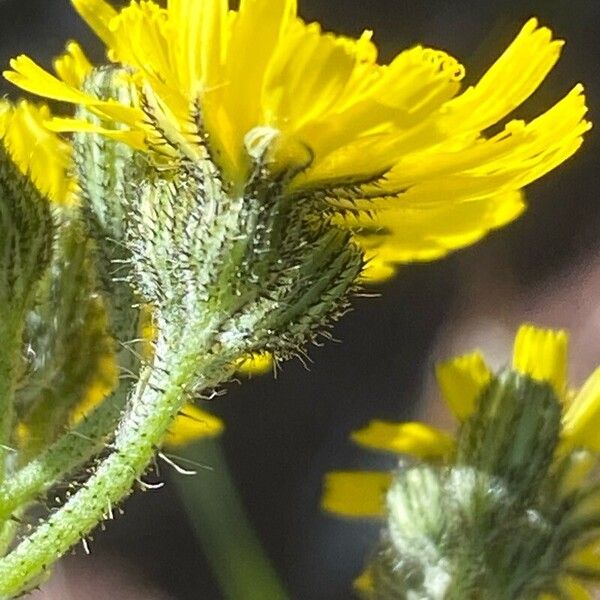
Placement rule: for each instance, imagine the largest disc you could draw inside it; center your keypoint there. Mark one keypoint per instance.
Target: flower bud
(26, 233)
(105, 168)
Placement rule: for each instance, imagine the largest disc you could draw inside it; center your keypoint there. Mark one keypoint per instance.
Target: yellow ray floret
(582, 417)
(37, 152)
(356, 494)
(192, 424)
(256, 364)
(461, 382)
(417, 439)
(542, 354)
(73, 66)
(329, 103)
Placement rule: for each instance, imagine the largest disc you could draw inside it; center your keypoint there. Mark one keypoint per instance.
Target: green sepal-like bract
(513, 433)
(276, 278)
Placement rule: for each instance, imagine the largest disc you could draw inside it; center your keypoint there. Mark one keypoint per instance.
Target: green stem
(77, 446)
(214, 508)
(71, 451)
(10, 356)
(11, 340)
(156, 401)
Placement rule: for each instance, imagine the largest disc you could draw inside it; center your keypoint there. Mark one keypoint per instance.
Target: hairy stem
(75, 448)
(156, 401)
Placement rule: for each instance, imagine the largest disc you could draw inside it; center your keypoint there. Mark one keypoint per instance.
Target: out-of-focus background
(283, 435)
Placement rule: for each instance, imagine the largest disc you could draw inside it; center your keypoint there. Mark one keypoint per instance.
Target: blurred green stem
(11, 331)
(214, 508)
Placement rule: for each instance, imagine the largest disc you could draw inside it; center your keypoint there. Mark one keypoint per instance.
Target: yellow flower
(398, 150)
(541, 356)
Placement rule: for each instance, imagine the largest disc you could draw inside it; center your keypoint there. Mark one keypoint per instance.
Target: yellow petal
(142, 37)
(201, 29)
(356, 494)
(135, 139)
(310, 75)
(417, 439)
(453, 192)
(509, 82)
(477, 167)
(98, 14)
(22, 435)
(380, 107)
(461, 381)
(542, 355)
(256, 364)
(73, 66)
(364, 582)
(575, 590)
(581, 464)
(588, 557)
(245, 71)
(36, 151)
(402, 234)
(192, 424)
(581, 426)
(29, 76)
(377, 269)
(102, 383)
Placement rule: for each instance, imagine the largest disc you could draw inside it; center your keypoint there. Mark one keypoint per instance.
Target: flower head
(518, 482)
(397, 153)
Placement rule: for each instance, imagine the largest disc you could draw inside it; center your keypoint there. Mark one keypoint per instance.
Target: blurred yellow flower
(541, 354)
(398, 150)
(257, 364)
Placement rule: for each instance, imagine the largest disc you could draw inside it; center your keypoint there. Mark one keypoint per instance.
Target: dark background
(283, 435)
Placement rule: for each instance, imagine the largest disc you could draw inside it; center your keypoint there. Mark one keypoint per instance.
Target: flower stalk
(216, 513)
(185, 364)
(70, 452)
(155, 402)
